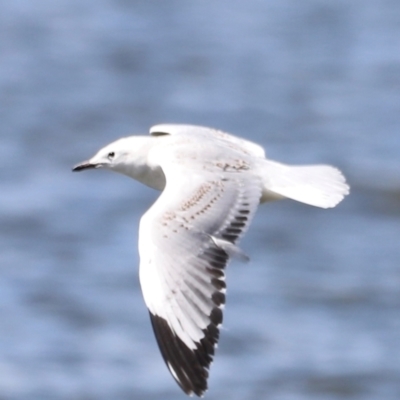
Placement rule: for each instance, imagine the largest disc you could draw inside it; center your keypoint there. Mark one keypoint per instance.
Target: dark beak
(84, 165)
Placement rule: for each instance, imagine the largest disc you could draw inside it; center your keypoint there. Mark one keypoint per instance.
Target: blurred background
(315, 314)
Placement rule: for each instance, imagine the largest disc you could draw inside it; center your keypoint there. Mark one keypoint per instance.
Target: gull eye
(111, 155)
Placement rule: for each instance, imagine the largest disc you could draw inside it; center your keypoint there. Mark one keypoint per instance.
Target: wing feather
(230, 141)
(182, 270)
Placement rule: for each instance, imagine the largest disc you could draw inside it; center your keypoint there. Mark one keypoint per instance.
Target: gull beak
(84, 165)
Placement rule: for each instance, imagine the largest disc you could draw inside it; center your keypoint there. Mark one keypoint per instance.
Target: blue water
(315, 314)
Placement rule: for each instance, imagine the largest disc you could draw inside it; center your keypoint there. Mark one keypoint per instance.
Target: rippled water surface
(315, 314)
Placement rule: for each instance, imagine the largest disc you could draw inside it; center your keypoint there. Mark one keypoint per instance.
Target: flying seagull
(212, 183)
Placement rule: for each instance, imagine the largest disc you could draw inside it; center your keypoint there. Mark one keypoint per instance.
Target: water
(315, 313)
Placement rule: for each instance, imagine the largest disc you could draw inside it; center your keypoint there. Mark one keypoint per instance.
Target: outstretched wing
(230, 141)
(185, 242)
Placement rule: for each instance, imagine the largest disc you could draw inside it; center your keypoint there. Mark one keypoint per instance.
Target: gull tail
(317, 185)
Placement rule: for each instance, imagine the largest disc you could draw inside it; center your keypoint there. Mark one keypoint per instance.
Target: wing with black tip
(185, 241)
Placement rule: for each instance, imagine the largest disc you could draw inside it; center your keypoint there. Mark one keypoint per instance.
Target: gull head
(121, 155)
(110, 157)
(128, 156)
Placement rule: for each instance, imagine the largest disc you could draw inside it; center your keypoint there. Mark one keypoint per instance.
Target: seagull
(211, 184)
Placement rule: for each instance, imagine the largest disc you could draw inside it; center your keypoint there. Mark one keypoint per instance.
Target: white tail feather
(317, 185)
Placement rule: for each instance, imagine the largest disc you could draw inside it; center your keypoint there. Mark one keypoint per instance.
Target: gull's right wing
(185, 240)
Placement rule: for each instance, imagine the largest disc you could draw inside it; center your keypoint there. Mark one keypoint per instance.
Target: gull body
(212, 183)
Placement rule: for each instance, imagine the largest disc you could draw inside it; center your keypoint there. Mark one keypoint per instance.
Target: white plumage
(212, 183)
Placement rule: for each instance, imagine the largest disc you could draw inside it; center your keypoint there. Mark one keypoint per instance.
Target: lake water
(315, 314)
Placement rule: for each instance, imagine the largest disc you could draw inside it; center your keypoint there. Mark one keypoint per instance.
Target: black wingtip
(189, 367)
